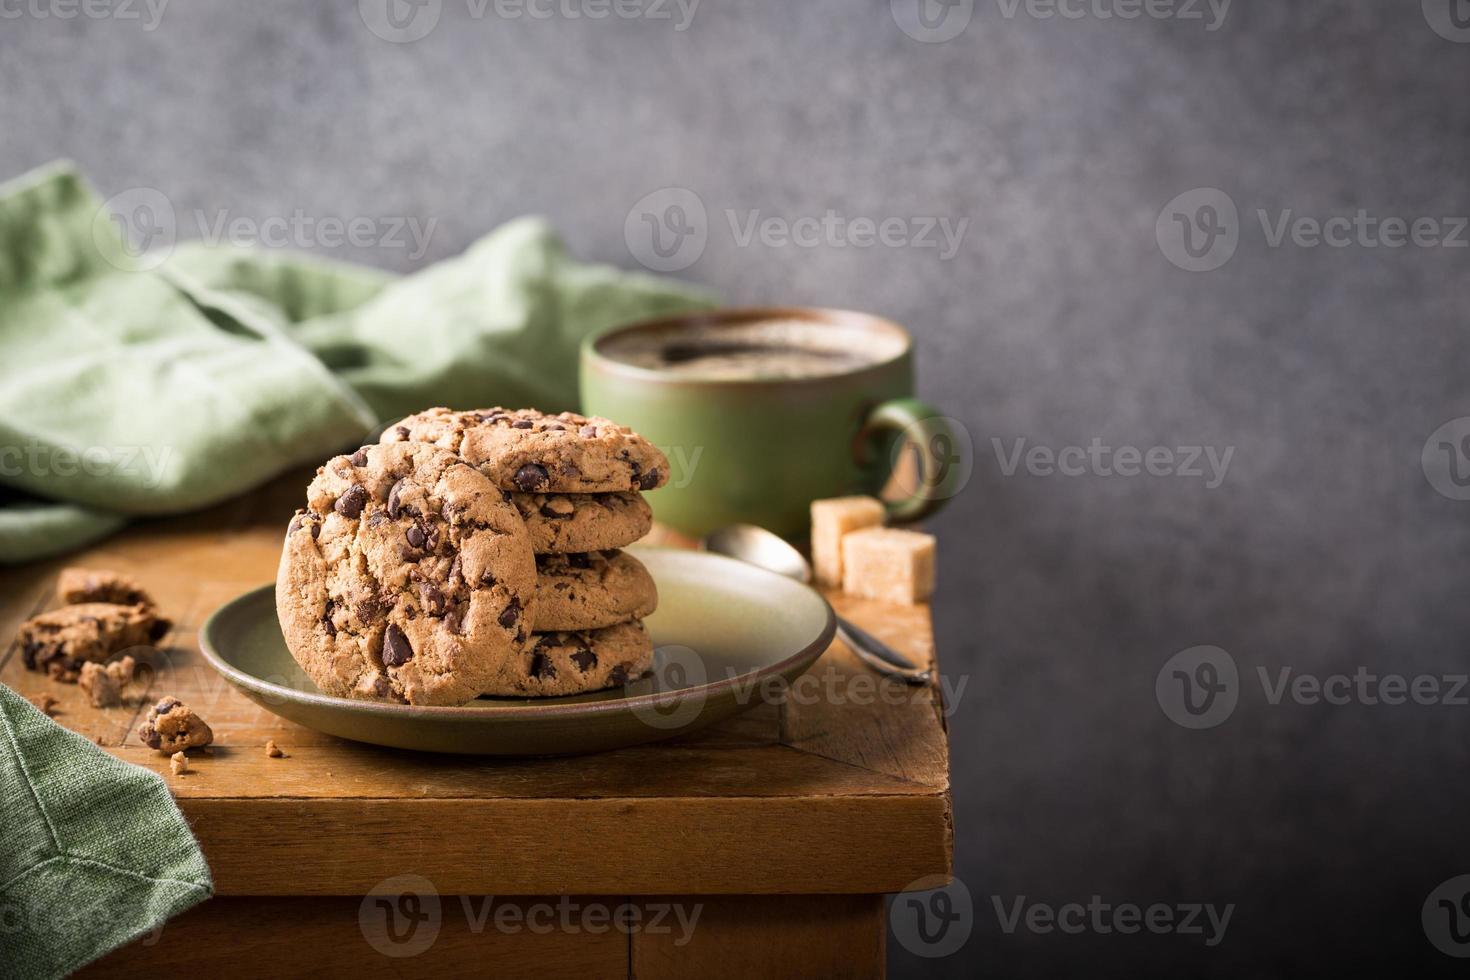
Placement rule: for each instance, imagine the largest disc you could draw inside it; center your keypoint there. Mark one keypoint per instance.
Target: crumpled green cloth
(130, 386)
(94, 855)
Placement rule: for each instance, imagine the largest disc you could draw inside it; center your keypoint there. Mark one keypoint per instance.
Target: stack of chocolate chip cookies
(474, 553)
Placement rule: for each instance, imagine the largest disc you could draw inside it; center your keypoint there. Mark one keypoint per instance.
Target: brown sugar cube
(888, 564)
(831, 519)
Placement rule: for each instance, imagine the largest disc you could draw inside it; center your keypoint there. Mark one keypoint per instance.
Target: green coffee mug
(758, 449)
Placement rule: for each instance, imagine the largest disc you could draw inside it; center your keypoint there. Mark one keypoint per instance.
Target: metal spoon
(758, 546)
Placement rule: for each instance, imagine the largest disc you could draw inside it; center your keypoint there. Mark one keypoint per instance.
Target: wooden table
(781, 829)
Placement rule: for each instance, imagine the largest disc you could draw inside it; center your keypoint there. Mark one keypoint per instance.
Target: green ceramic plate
(723, 632)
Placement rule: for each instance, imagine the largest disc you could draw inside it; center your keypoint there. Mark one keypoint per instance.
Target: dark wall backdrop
(1061, 318)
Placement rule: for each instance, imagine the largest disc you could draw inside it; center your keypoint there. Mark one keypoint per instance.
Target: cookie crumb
(45, 703)
(172, 726)
(101, 686)
(273, 750)
(179, 763)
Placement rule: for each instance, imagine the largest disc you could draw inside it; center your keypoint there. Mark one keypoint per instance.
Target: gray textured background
(1059, 320)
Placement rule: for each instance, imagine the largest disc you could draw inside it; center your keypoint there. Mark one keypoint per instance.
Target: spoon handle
(879, 655)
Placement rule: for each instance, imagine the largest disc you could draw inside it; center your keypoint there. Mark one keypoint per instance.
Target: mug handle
(919, 424)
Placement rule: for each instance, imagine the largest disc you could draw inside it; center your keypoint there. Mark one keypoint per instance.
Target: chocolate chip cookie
(573, 662)
(408, 577)
(60, 641)
(531, 452)
(589, 590)
(567, 522)
(172, 726)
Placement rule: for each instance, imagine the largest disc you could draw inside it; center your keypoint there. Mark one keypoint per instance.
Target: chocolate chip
(351, 503)
(487, 580)
(327, 623)
(165, 706)
(28, 653)
(316, 530)
(618, 675)
(648, 480)
(556, 428)
(394, 507)
(541, 666)
(359, 458)
(159, 629)
(584, 659)
(454, 620)
(522, 424)
(295, 524)
(490, 416)
(415, 535)
(432, 598)
(507, 496)
(150, 736)
(397, 651)
(381, 687)
(402, 431)
(511, 614)
(588, 432)
(369, 609)
(531, 477)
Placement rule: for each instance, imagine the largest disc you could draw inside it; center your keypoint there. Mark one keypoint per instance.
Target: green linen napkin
(95, 852)
(133, 386)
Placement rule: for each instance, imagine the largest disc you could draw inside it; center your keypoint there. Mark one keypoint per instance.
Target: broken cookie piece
(272, 749)
(60, 641)
(100, 686)
(45, 704)
(79, 585)
(172, 726)
(104, 685)
(179, 763)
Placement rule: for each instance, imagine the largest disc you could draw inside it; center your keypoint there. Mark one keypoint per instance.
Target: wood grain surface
(787, 798)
